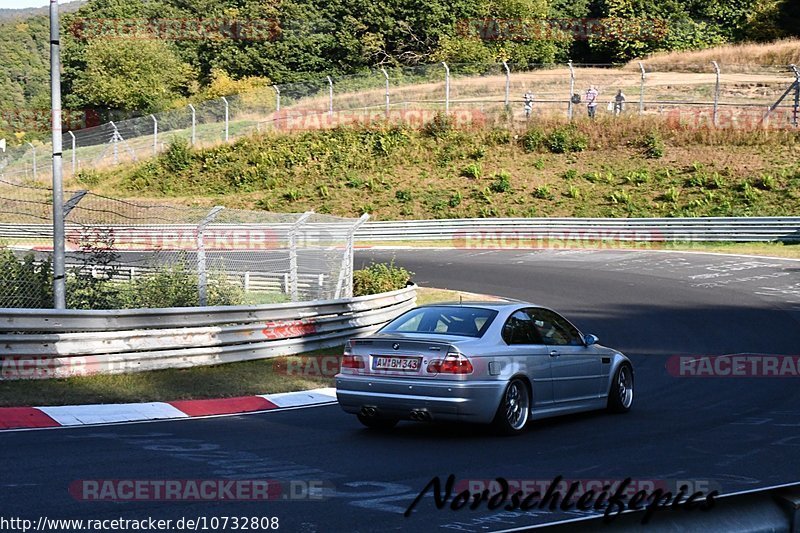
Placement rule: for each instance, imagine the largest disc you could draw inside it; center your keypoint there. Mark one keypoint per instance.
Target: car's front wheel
(620, 396)
(514, 410)
(377, 422)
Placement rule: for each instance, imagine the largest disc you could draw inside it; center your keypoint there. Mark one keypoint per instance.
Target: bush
(403, 195)
(24, 283)
(532, 140)
(502, 182)
(473, 170)
(380, 277)
(566, 139)
(653, 146)
(178, 156)
(542, 192)
(440, 126)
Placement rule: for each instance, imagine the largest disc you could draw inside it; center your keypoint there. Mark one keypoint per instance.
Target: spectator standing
(619, 103)
(591, 100)
(528, 99)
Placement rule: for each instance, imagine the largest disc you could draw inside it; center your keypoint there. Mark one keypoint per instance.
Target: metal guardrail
(481, 232)
(733, 229)
(40, 344)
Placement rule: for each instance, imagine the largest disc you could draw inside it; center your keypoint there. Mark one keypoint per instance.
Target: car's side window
(519, 329)
(554, 329)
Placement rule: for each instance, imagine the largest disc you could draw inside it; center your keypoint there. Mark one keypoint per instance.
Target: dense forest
(298, 39)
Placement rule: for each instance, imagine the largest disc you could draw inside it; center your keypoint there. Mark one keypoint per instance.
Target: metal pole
(114, 141)
(74, 160)
(641, 88)
(571, 89)
(59, 279)
(277, 105)
(386, 75)
(330, 96)
(194, 124)
(226, 117)
(446, 88)
(202, 276)
(293, 253)
(796, 108)
(344, 285)
(716, 94)
(155, 134)
(508, 85)
(34, 160)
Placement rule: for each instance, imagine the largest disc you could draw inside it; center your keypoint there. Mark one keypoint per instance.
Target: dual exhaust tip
(420, 415)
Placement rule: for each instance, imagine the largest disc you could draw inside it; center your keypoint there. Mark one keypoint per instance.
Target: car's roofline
(486, 304)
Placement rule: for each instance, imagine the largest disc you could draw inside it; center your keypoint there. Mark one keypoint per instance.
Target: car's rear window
(444, 320)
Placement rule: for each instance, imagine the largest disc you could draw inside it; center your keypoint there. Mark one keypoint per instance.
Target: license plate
(396, 363)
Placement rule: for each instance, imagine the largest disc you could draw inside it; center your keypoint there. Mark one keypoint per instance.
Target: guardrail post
(34, 159)
(246, 283)
(641, 88)
(74, 160)
(344, 286)
(330, 96)
(716, 94)
(155, 134)
(571, 89)
(194, 124)
(508, 85)
(202, 275)
(386, 76)
(446, 88)
(293, 253)
(226, 117)
(796, 108)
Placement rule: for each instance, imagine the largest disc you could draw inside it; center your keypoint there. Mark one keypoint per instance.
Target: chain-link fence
(709, 95)
(224, 255)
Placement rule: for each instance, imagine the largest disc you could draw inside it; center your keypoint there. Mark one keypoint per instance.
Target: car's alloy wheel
(514, 410)
(620, 397)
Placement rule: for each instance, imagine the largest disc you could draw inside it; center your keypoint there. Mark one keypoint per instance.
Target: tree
(142, 75)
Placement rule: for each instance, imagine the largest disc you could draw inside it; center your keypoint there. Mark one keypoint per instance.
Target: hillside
(639, 167)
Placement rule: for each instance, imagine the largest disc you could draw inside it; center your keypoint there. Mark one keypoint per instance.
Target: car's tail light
(454, 363)
(351, 361)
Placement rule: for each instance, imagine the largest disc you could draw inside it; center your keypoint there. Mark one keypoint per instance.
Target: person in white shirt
(591, 100)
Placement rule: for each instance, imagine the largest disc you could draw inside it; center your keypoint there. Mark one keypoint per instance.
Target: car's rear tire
(620, 395)
(377, 422)
(514, 409)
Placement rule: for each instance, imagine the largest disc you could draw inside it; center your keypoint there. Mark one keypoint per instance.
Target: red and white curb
(81, 415)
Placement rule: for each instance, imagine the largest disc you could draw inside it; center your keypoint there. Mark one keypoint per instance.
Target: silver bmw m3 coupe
(486, 362)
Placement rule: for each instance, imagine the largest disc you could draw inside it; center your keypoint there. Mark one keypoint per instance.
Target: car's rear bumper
(466, 401)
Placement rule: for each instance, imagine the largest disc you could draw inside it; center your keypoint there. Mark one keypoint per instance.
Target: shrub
(573, 192)
(380, 277)
(570, 174)
(473, 170)
(542, 192)
(672, 194)
(403, 195)
(502, 182)
(532, 140)
(178, 156)
(653, 145)
(566, 139)
(24, 283)
(439, 126)
(455, 199)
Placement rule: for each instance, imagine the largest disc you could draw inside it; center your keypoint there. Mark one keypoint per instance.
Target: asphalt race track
(733, 434)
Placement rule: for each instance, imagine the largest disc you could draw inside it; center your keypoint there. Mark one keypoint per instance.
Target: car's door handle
(554, 353)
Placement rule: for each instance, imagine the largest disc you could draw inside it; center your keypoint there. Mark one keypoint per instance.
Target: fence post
(344, 286)
(446, 88)
(114, 140)
(716, 94)
(34, 159)
(202, 276)
(73, 152)
(796, 108)
(277, 106)
(293, 253)
(386, 75)
(508, 85)
(571, 89)
(330, 96)
(155, 134)
(194, 123)
(641, 88)
(226, 117)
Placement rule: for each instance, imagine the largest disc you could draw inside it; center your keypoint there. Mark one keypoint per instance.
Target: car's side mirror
(590, 339)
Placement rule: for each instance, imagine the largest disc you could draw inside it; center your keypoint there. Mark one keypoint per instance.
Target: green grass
(265, 376)
(592, 169)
